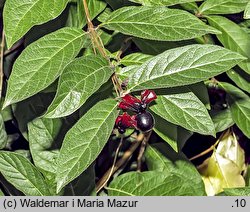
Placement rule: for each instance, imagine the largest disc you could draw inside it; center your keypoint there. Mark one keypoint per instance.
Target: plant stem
(1, 63)
(121, 161)
(142, 150)
(211, 148)
(112, 168)
(97, 42)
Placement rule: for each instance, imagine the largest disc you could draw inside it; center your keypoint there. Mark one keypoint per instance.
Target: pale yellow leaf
(223, 169)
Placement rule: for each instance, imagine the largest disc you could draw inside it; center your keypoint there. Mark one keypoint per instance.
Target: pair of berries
(142, 119)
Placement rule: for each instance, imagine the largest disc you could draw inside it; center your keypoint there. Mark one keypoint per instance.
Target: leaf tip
(6, 103)
(59, 186)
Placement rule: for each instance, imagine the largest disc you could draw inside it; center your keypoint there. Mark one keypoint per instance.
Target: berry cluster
(142, 119)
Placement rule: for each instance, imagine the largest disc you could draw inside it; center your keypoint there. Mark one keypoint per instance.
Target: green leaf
(42, 62)
(85, 140)
(191, 6)
(239, 105)
(1, 193)
(157, 23)
(247, 11)
(200, 90)
(222, 6)
(237, 191)
(247, 175)
(150, 183)
(186, 110)
(166, 130)
(29, 109)
(95, 7)
(241, 79)
(222, 120)
(182, 136)
(182, 66)
(233, 37)
(84, 185)
(168, 179)
(20, 16)
(135, 59)
(3, 134)
(42, 134)
(154, 47)
(161, 2)
(22, 174)
(79, 80)
(77, 17)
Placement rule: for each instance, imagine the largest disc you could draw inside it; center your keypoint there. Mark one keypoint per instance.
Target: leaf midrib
(52, 56)
(25, 177)
(179, 71)
(158, 25)
(69, 92)
(185, 111)
(19, 20)
(87, 145)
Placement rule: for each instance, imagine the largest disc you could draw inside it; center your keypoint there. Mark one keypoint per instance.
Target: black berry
(145, 121)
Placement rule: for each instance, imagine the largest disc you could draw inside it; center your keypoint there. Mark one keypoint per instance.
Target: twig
(14, 48)
(142, 150)
(121, 161)
(211, 148)
(1, 64)
(97, 42)
(112, 168)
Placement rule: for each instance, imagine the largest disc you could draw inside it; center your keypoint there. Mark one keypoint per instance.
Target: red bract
(148, 96)
(136, 105)
(129, 102)
(125, 121)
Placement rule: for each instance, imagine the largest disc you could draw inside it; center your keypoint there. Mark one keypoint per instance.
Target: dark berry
(145, 121)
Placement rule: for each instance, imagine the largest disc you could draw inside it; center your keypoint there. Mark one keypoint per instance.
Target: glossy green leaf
(79, 80)
(190, 6)
(157, 23)
(3, 134)
(168, 179)
(77, 17)
(186, 110)
(135, 59)
(247, 11)
(42, 134)
(182, 136)
(166, 130)
(42, 62)
(182, 66)
(222, 6)
(239, 105)
(22, 174)
(154, 47)
(20, 15)
(151, 183)
(157, 161)
(222, 120)
(95, 7)
(84, 185)
(161, 2)
(237, 191)
(85, 140)
(29, 109)
(233, 37)
(200, 90)
(241, 79)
